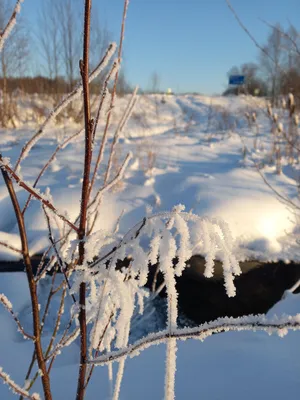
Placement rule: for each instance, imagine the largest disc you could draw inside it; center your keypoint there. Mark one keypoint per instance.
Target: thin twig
(114, 91)
(10, 24)
(61, 263)
(59, 147)
(5, 167)
(88, 122)
(64, 103)
(16, 388)
(7, 305)
(4, 244)
(31, 284)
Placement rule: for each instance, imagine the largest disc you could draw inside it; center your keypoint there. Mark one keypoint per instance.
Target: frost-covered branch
(120, 127)
(10, 25)
(101, 109)
(60, 261)
(284, 34)
(16, 388)
(114, 90)
(248, 323)
(104, 97)
(77, 92)
(34, 192)
(114, 181)
(47, 164)
(8, 306)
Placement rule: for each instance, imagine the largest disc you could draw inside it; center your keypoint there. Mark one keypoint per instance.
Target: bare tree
(271, 60)
(50, 40)
(154, 82)
(252, 80)
(12, 60)
(67, 12)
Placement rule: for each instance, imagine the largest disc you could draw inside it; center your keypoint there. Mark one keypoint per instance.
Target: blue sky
(191, 44)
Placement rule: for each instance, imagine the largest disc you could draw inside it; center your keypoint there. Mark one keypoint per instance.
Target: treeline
(43, 58)
(277, 71)
(54, 86)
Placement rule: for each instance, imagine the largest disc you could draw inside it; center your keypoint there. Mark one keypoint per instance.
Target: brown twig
(104, 137)
(32, 286)
(9, 308)
(114, 91)
(4, 244)
(84, 71)
(61, 106)
(61, 263)
(8, 170)
(58, 148)
(10, 24)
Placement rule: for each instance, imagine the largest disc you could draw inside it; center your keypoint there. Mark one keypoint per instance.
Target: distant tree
(254, 85)
(68, 18)
(123, 86)
(12, 60)
(50, 40)
(154, 82)
(272, 61)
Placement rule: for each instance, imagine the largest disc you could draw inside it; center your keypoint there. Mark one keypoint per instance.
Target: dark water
(260, 286)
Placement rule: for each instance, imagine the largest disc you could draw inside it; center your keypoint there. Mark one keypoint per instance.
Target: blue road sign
(236, 80)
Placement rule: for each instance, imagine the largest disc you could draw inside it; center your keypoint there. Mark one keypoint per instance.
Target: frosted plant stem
(119, 379)
(63, 104)
(110, 379)
(247, 323)
(43, 170)
(88, 123)
(10, 25)
(170, 369)
(16, 388)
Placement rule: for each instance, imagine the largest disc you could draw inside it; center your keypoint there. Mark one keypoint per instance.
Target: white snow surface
(187, 149)
(232, 365)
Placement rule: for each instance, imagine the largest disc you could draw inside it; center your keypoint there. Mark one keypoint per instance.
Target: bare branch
(5, 167)
(58, 148)
(284, 34)
(114, 181)
(31, 284)
(105, 133)
(4, 244)
(10, 25)
(8, 306)
(119, 129)
(114, 91)
(64, 103)
(61, 263)
(85, 193)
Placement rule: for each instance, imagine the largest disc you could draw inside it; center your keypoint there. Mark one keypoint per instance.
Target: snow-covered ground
(187, 149)
(231, 365)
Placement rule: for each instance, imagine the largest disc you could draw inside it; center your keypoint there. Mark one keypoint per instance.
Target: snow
(244, 364)
(177, 154)
(195, 165)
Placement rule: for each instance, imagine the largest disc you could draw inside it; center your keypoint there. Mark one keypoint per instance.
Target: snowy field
(190, 150)
(186, 150)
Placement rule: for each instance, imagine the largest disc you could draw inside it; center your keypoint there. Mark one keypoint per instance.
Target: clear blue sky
(191, 44)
